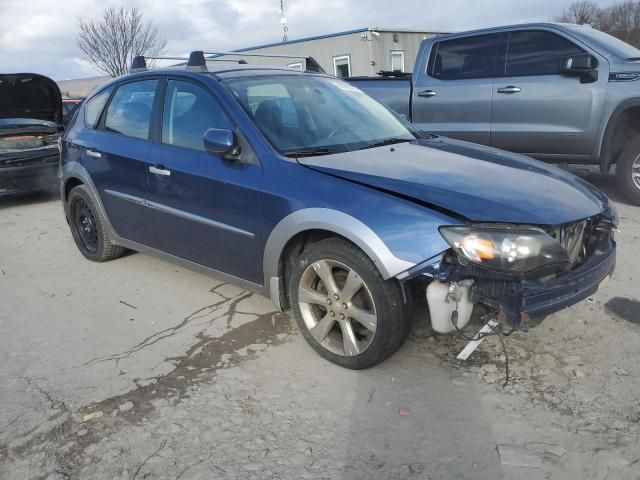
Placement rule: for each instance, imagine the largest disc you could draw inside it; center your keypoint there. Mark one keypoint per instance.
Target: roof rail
(197, 61)
(312, 64)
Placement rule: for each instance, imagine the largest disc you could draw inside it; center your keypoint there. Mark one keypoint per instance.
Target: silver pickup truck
(561, 93)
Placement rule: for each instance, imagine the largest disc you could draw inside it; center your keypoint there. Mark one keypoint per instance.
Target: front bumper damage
(528, 302)
(519, 302)
(29, 173)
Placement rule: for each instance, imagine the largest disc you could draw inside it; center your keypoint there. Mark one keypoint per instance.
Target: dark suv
(301, 187)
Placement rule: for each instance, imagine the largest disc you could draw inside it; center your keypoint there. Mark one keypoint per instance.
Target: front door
(539, 110)
(206, 208)
(453, 98)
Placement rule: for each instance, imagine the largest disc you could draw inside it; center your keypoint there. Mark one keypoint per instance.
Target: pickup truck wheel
(628, 171)
(87, 227)
(344, 308)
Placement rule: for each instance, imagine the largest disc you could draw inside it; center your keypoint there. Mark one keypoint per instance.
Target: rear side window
(129, 112)
(532, 52)
(93, 108)
(189, 111)
(464, 58)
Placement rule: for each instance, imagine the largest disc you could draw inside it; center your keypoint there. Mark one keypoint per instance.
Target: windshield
(305, 114)
(609, 43)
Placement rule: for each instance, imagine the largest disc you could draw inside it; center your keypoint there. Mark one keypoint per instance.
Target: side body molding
(333, 221)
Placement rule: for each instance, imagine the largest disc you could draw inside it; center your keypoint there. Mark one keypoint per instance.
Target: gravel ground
(138, 369)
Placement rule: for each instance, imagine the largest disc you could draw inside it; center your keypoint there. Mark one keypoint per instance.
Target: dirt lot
(139, 369)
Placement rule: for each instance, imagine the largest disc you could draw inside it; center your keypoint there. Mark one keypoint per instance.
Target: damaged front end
(522, 273)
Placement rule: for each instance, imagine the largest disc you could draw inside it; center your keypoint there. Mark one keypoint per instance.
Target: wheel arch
(626, 114)
(302, 226)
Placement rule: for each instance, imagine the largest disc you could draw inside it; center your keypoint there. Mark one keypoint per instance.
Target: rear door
(206, 208)
(115, 154)
(453, 96)
(539, 110)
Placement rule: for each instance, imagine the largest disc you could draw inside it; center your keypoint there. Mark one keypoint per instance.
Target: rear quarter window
(94, 107)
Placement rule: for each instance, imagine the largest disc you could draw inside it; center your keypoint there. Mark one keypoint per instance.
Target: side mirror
(584, 66)
(220, 142)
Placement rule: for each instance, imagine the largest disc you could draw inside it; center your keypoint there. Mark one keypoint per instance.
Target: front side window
(342, 66)
(296, 66)
(534, 52)
(129, 112)
(301, 114)
(189, 111)
(94, 106)
(465, 58)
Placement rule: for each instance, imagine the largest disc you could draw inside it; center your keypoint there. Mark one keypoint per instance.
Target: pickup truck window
(189, 111)
(534, 52)
(303, 114)
(464, 58)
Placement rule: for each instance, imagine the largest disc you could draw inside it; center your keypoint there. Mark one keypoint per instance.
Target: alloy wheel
(635, 171)
(337, 307)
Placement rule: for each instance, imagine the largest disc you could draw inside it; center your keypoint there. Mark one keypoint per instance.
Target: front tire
(344, 308)
(88, 227)
(628, 171)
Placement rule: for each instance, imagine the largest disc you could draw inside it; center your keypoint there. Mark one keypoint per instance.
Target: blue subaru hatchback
(301, 187)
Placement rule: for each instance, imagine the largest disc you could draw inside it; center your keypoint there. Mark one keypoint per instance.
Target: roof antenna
(283, 21)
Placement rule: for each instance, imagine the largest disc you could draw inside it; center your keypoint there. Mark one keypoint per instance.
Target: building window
(342, 66)
(397, 61)
(296, 66)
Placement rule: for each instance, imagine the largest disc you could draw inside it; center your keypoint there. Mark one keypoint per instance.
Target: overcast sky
(39, 35)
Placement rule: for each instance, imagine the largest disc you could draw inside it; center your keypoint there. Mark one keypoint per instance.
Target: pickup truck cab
(301, 187)
(560, 93)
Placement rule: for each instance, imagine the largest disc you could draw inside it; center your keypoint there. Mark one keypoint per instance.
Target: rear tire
(360, 319)
(88, 227)
(628, 171)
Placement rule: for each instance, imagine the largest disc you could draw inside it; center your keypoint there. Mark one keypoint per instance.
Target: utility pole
(283, 22)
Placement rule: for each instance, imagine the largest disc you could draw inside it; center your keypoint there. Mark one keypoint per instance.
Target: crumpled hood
(478, 183)
(29, 95)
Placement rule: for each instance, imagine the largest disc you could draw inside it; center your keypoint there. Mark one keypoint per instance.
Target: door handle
(509, 89)
(93, 153)
(159, 170)
(427, 93)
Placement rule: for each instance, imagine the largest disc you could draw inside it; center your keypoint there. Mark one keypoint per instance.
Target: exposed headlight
(518, 249)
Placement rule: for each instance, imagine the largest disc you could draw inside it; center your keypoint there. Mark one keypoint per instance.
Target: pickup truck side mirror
(221, 142)
(584, 66)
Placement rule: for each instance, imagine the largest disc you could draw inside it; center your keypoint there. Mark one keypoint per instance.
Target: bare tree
(584, 12)
(111, 42)
(622, 20)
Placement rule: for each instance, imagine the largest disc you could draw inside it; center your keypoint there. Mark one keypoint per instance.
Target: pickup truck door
(206, 209)
(452, 93)
(539, 110)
